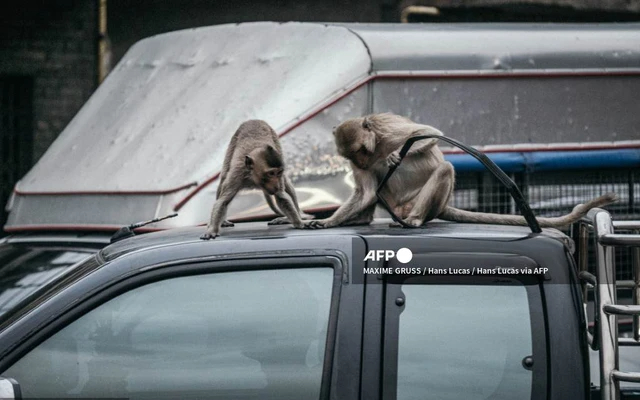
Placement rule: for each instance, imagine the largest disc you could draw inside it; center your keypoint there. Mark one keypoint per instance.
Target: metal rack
(598, 230)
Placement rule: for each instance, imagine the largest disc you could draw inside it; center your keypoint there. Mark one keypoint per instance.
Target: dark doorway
(16, 134)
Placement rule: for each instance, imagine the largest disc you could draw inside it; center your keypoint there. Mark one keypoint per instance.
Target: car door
(244, 329)
(449, 335)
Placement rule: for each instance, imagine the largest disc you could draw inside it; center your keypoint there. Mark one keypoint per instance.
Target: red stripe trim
(198, 188)
(98, 192)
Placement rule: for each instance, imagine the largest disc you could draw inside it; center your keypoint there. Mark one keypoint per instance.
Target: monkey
(421, 189)
(254, 160)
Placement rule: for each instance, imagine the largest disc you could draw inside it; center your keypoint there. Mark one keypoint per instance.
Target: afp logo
(403, 255)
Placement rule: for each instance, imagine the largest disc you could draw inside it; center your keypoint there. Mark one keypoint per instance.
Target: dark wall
(132, 20)
(55, 44)
(48, 69)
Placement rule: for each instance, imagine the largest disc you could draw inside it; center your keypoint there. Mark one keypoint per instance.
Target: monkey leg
(289, 189)
(285, 203)
(434, 196)
(363, 218)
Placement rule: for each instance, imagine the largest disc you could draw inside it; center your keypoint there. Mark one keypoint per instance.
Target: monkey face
(361, 157)
(271, 180)
(265, 168)
(356, 142)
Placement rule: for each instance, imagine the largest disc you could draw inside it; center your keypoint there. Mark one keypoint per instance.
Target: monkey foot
(413, 221)
(227, 224)
(410, 221)
(315, 224)
(208, 236)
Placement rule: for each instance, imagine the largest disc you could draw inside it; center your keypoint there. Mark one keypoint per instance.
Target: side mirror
(9, 389)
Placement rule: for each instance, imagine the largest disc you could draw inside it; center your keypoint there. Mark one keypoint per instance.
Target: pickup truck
(447, 311)
(176, 99)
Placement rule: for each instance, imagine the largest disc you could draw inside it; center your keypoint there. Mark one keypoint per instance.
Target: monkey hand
(318, 224)
(393, 159)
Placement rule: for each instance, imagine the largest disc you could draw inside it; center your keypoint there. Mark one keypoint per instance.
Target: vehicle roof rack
(605, 338)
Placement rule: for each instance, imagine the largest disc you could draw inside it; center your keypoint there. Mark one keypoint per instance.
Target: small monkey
(254, 160)
(421, 188)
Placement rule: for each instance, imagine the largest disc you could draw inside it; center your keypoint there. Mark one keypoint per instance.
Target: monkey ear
(248, 162)
(273, 157)
(366, 124)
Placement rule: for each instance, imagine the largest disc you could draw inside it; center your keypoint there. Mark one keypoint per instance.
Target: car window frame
(393, 290)
(177, 269)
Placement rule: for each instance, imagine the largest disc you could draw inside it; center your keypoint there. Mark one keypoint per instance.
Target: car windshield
(25, 268)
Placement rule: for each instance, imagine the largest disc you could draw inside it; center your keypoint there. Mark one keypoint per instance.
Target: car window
(464, 342)
(24, 269)
(230, 335)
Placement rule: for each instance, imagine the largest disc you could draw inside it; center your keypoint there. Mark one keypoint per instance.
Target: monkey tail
(457, 215)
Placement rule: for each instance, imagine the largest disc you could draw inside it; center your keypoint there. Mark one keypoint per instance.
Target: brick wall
(55, 43)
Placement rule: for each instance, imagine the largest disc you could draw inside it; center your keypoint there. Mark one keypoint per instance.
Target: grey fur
(253, 154)
(421, 188)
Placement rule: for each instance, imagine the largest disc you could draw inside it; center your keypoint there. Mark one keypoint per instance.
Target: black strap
(513, 189)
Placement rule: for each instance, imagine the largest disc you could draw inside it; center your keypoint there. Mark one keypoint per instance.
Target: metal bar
(608, 327)
(626, 284)
(626, 224)
(587, 280)
(588, 277)
(583, 253)
(626, 376)
(619, 309)
(619, 239)
(631, 205)
(635, 262)
(628, 342)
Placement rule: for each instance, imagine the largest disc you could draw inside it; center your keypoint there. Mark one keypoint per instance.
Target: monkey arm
(362, 198)
(421, 146)
(219, 210)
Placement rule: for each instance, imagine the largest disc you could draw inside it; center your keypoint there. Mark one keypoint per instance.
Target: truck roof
(247, 231)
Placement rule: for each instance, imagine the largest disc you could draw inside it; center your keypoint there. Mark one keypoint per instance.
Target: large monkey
(254, 160)
(420, 189)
